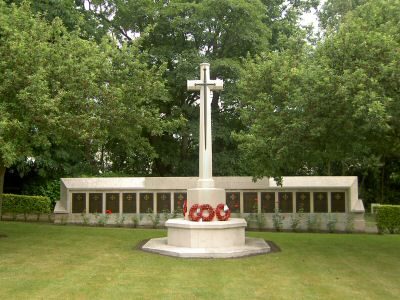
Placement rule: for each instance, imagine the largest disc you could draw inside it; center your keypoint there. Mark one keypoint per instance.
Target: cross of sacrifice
(205, 86)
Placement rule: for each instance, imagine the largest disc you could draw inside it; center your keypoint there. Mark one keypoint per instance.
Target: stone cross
(205, 85)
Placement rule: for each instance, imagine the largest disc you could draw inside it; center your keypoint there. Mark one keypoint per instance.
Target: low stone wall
(49, 218)
(337, 222)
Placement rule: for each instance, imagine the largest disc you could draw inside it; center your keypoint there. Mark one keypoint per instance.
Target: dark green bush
(48, 188)
(388, 218)
(21, 204)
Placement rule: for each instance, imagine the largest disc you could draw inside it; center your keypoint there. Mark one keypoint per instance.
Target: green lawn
(39, 261)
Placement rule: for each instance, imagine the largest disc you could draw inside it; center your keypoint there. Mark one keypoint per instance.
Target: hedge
(22, 204)
(388, 218)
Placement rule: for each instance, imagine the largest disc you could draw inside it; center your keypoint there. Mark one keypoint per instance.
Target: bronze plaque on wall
(233, 201)
(146, 202)
(112, 202)
(95, 203)
(129, 203)
(303, 201)
(179, 201)
(321, 202)
(250, 202)
(338, 202)
(78, 203)
(163, 202)
(268, 202)
(285, 202)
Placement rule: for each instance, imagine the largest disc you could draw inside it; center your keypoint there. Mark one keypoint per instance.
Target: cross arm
(194, 85)
(218, 85)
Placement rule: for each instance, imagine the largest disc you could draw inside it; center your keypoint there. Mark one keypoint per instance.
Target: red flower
(179, 202)
(236, 205)
(108, 211)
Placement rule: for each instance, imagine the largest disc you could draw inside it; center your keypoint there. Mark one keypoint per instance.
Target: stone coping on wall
(227, 182)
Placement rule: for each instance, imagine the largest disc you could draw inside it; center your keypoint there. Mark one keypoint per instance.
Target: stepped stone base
(252, 246)
(216, 239)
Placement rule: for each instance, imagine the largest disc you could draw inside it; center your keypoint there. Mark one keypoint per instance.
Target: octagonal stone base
(216, 239)
(214, 234)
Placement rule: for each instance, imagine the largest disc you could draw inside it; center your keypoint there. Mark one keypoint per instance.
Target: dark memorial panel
(268, 202)
(95, 203)
(285, 202)
(163, 202)
(250, 202)
(233, 201)
(146, 202)
(179, 201)
(303, 202)
(338, 202)
(129, 203)
(78, 203)
(112, 202)
(321, 202)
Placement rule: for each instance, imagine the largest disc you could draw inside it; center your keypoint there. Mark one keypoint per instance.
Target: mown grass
(39, 261)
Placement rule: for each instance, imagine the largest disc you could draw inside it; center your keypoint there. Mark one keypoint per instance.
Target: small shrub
(135, 221)
(249, 219)
(277, 220)
(313, 223)
(167, 215)
(388, 218)
(331, 222)
(153, 218)
(102, 219)
(178, 212)
(85, 218)
(295, 220)
(260, 220)
(119, 220)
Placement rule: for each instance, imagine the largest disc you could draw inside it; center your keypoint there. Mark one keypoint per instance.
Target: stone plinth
(215, 234)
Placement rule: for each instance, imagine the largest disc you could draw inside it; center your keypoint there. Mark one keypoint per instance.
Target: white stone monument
(214, 238)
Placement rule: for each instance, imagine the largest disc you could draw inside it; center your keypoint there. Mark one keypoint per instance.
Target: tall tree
(331, 110)
(184, 33)
(63, 97)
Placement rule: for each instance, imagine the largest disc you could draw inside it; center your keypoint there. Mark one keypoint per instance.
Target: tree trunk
(329, 168)
(383, 183)
(2, 174)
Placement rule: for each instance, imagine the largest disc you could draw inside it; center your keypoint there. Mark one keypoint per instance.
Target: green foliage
(50, 189)
(313, 222)
(277, 220)
(296, 219)
(260, 220)
(388, 218)
(20, 204)
(332, 109)
(154, 218)
(331, 222)
(85, 219)
(102, 219)
(119, 220)
(70, 105)
(333, 12)
(135, 221)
